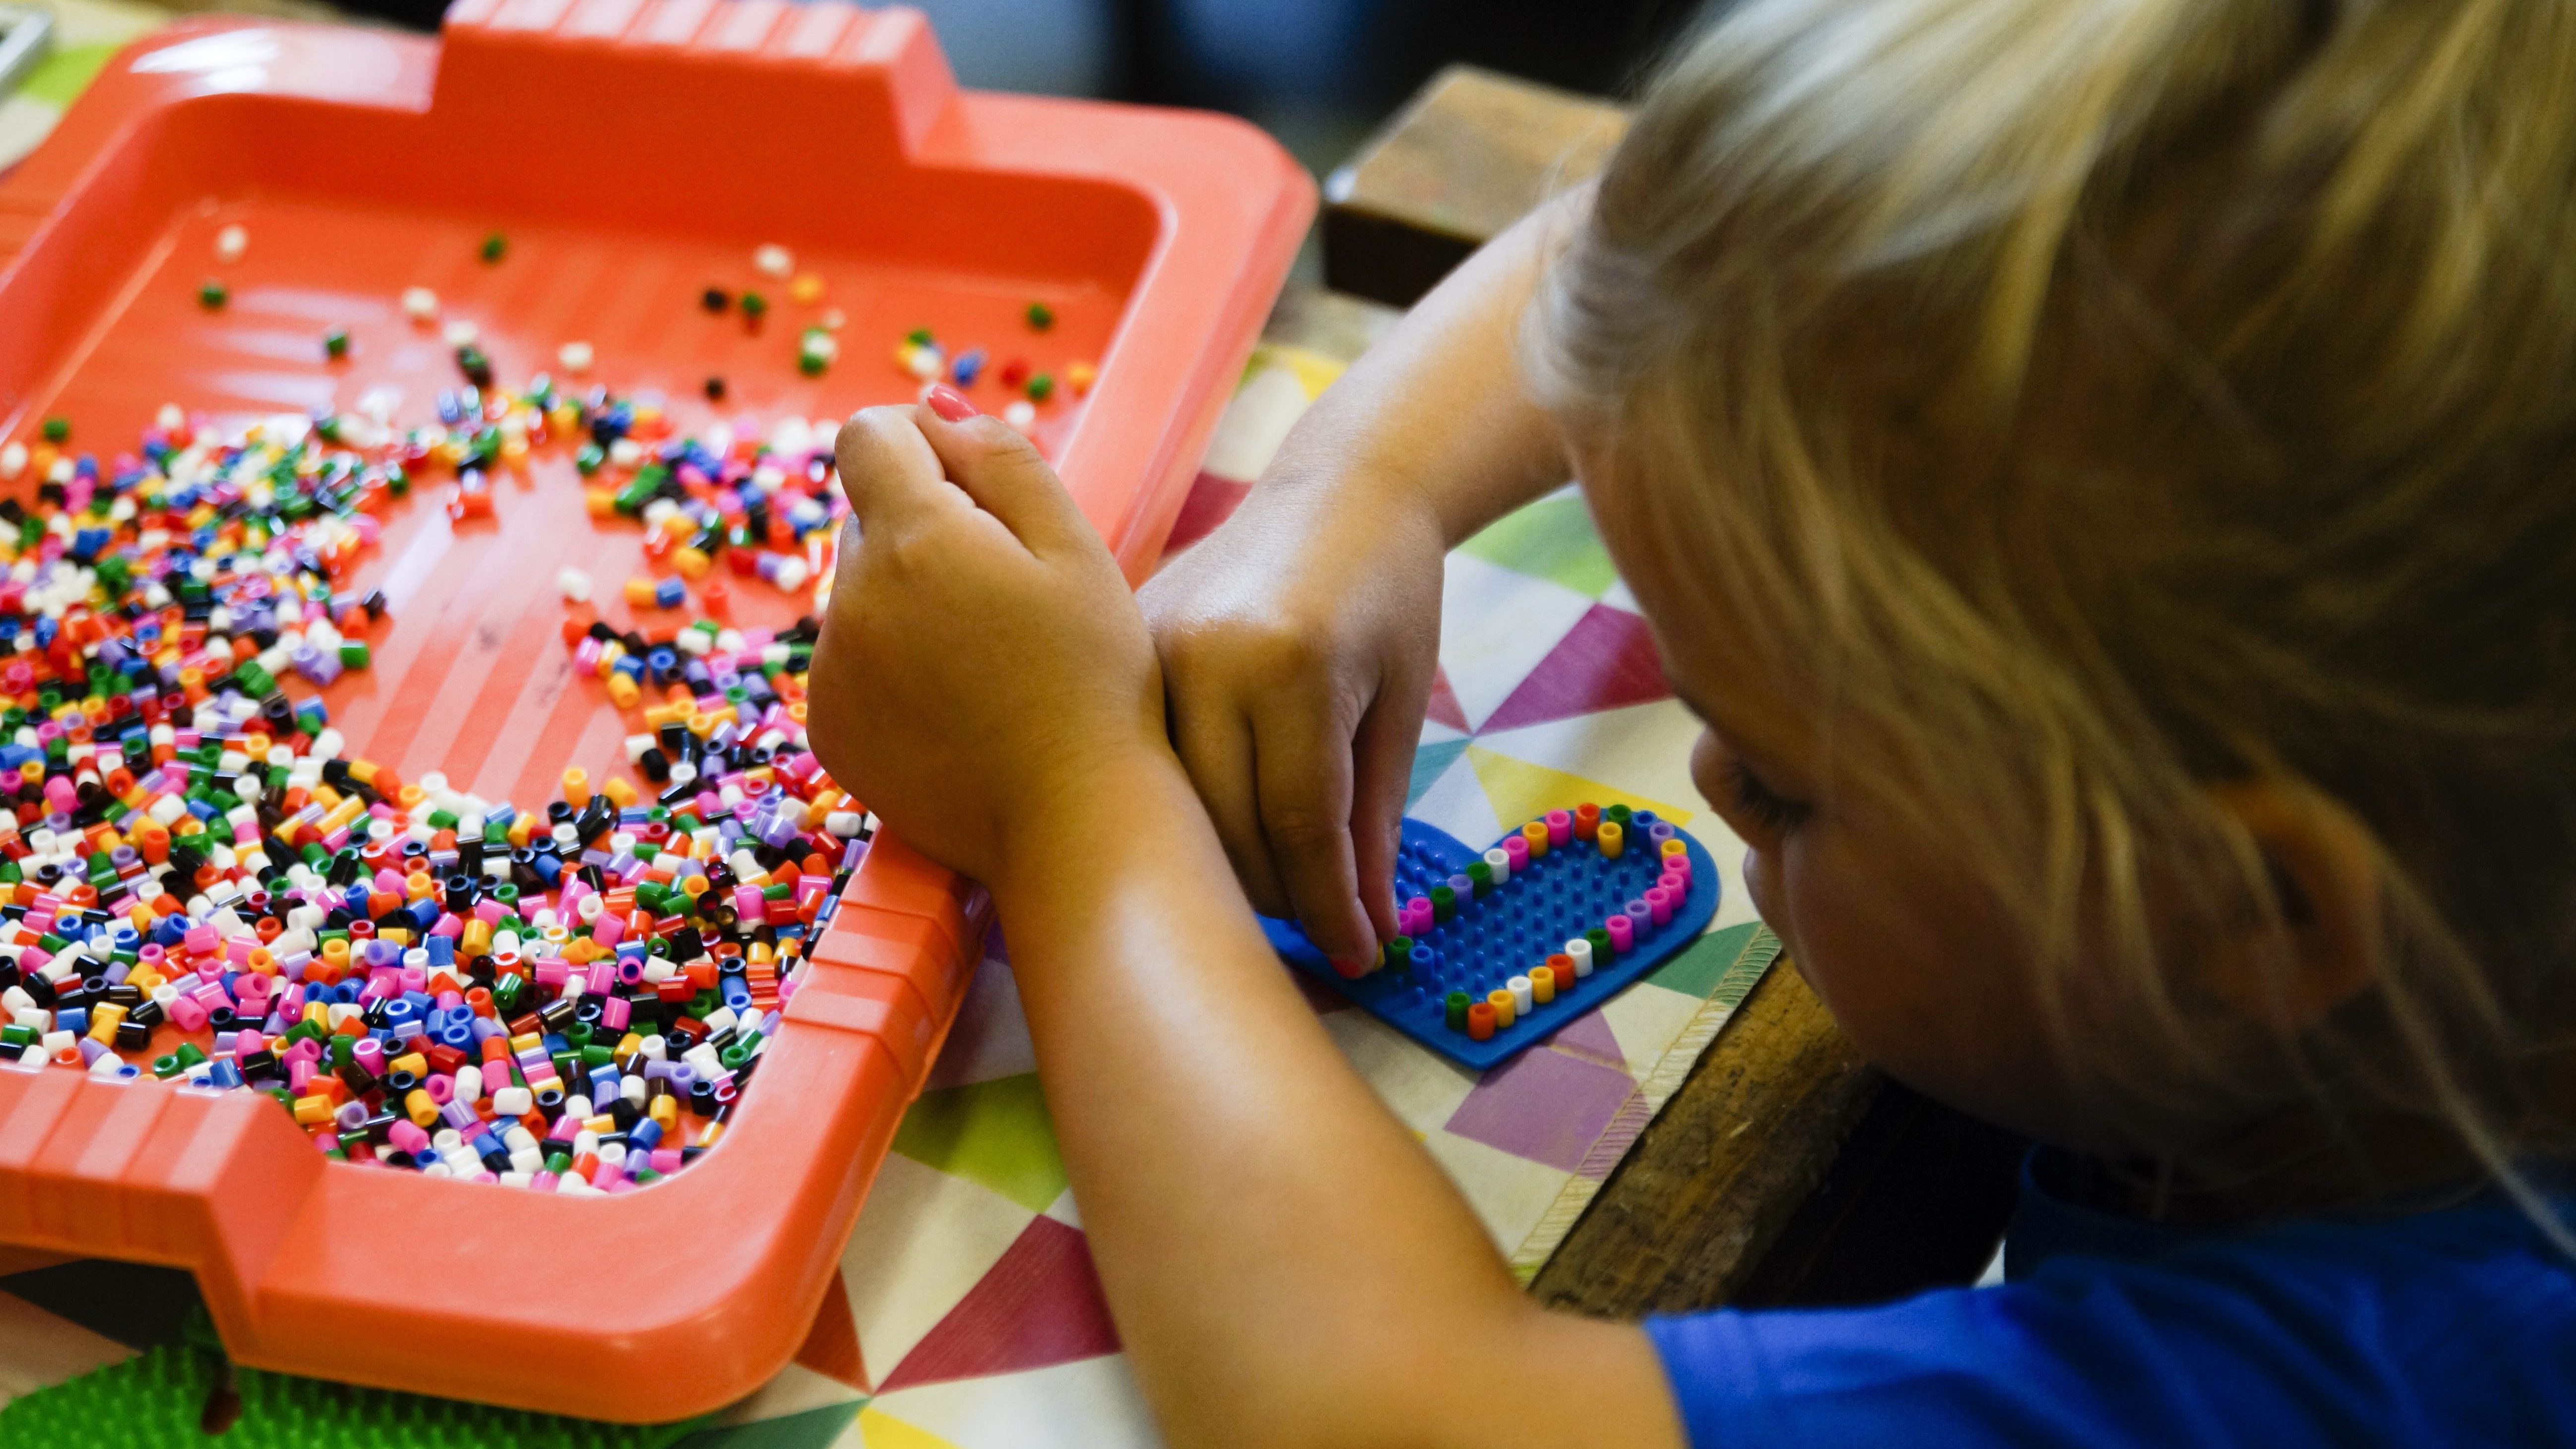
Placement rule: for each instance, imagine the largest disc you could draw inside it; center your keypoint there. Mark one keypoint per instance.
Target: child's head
(2118, 462)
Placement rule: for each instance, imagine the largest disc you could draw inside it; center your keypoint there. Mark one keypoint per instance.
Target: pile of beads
(424, 979)
(195, 882)
(198, 559)
(765, 505)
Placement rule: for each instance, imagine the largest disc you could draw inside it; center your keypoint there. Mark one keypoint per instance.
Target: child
(2106, 476)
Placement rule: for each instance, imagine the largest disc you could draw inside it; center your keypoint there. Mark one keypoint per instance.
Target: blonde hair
(2082, 403)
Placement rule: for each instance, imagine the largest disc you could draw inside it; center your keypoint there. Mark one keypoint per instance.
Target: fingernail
(949, 403)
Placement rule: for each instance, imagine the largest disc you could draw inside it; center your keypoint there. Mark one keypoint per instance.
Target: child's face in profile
(1900, 942)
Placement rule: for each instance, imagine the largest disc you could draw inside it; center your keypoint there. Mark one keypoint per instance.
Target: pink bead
(187, 1015)
(1560, 827)
(1623, 933)
(1660, 902)
(1517, 847)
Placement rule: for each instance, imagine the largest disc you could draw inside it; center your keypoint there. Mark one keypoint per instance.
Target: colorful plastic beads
(196, 882)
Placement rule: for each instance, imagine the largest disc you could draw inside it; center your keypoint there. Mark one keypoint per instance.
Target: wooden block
(1466, 157)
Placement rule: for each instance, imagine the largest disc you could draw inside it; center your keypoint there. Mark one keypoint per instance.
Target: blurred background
(1318, 74)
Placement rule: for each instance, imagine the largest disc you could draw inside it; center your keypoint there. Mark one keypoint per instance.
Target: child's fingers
(1302, 773)
(1215, 746)
(1006, 476)
(888, 469)
(1381, 776)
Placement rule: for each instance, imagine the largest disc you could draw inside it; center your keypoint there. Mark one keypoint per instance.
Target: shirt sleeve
(2100, 1359)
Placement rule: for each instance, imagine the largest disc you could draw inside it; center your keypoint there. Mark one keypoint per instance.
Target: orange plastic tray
(633, 152)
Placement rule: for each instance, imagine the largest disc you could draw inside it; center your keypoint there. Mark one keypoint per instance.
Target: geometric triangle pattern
(1431, 759)
(1523, 790)
(1040, 1305)
(1551, 539)
(996, 1133)
(1606, 661)
(879, 1430)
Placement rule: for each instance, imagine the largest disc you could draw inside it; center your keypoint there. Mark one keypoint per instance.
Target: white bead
(419, 303)
(461, 333)
(231, 242)
(1020, 414)
(574, 584)
(576, 357)
(13, 460)
(773, 260)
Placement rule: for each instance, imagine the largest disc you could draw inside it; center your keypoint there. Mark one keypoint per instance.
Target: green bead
(1041, 316)
(1481, 876)
(753, 305)
(1041, 387)
(1444, 903)
(335, 343)
(589, 458)
(353, 654)
(495, 246)
(213, 295)
(56, 430)
(1457, 1010)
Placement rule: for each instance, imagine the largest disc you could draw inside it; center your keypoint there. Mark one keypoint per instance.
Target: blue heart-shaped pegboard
(1490, 936)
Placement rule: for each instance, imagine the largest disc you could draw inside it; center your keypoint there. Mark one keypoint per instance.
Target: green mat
(186, 1393)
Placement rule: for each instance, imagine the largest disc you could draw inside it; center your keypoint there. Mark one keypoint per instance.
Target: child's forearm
(1439, 406)
(1286, 1263)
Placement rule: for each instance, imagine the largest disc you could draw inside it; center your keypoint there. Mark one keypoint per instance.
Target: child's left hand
(984, 680)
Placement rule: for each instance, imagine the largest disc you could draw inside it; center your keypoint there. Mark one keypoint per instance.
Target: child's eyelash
(1774, 810)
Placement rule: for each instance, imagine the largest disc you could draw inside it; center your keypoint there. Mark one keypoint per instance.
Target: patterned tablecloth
(967, 1312)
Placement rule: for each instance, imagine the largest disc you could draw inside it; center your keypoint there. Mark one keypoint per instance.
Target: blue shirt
(2451, 1327)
